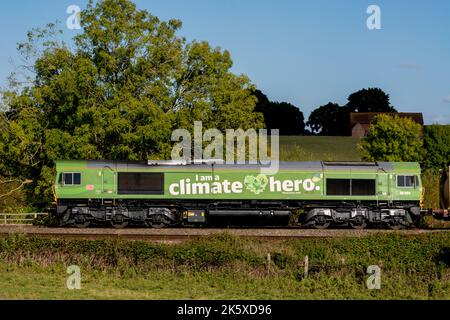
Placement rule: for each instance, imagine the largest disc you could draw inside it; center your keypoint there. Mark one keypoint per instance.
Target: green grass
(225, 267)
(299, 148)
(44, 283)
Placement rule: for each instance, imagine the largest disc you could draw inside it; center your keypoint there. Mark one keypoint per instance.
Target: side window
(363, 187)
(68, 179)
(416, 181)
(351, 187)
(77, 178)
(406, 181)
(71, 178)
(338, 187)
(140, 183)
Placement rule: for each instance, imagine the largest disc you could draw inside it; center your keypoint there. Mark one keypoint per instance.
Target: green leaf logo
(256, 184)
(317, 177)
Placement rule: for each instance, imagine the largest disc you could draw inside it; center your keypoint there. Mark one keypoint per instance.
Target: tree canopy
(369, 100)
(392, 138)
(437, 146)
(329, 120)
(334, 120)
(116, 92)
(280, 115)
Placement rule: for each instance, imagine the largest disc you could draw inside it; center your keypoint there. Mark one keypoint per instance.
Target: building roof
(365, 118)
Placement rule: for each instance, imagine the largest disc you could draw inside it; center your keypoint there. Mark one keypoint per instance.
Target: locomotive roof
(286, 165)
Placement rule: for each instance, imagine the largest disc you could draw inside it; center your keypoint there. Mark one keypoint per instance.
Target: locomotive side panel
(338, 193)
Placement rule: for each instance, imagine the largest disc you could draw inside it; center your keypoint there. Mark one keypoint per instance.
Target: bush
(437, 146)
(392, 138)
(424, 254)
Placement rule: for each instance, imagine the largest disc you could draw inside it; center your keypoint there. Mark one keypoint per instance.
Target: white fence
(19, 218)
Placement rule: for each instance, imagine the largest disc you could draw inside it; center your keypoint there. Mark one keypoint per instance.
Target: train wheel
(320, 223)
(119, 221)
(358, 223)
(322, 226)
(395, 226)
(358, 226)
(119, 225)
(158, 221)
(81, 222)
(156, 225)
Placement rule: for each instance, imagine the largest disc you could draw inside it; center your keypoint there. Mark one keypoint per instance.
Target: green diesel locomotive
(160, 194)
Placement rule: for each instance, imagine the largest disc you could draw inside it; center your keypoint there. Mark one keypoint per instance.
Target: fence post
(306, 262)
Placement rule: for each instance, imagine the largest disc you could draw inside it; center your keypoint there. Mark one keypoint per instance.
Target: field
(225, 267)
(316, 148)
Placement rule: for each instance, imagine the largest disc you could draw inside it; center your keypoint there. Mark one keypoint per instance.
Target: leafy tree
(262, 101)
(392, 138)
(117, 92)
(370, 100)
(333, 120)
(329, 120)
(437, 146)
(280, 115)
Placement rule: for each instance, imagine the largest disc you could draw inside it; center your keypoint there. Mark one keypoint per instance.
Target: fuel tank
(249, 217)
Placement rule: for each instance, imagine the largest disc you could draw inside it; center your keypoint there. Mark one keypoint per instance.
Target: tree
(392, 138)
(437, 147)
(329, 120)
(117, 92)
(280, 115)
(369, 100)
(262, 101)
(334, 120)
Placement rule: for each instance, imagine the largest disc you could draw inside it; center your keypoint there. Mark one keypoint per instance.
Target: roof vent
(351, 163)
(184, 162)
(167, 162)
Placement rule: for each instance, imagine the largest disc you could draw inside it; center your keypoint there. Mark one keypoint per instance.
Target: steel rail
(185, 234)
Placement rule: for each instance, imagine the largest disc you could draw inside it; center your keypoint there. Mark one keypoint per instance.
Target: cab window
(406, 181)
(71, 178)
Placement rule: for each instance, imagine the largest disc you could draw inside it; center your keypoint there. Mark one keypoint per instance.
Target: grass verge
(226, 267)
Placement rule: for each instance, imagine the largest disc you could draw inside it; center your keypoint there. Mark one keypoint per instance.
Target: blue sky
(306, 53)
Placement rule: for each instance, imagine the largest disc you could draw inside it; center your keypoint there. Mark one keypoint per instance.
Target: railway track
(184, 234)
